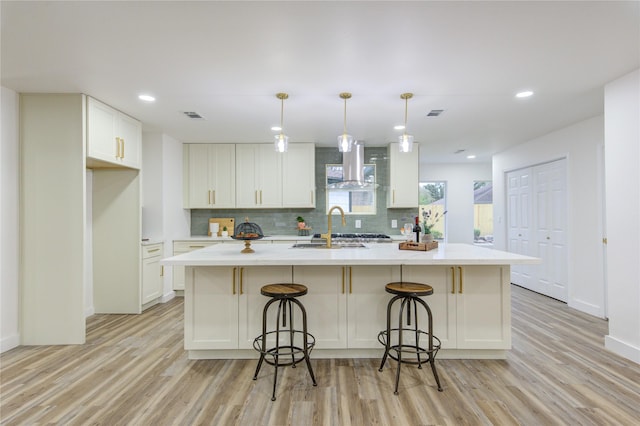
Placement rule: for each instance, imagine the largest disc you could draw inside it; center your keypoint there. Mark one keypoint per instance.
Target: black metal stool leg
(417, 334)
(387, 345)
(399, 351)
(432, 358)
(305, 341)
(264, 337)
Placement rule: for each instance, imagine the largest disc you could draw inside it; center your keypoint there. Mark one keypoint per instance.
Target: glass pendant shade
(281, 142)
(405, 143)
(345, 142)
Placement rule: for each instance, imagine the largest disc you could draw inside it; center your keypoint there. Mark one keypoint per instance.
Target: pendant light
(281, 140)
(345, 141)
(405, 141)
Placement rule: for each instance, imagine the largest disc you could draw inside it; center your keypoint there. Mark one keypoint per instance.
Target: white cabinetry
(227, 312)
(152, 273)
(298, 176)
(404, 177)
(470, 304)
(258, 176)
(249, 176)
(346, 304)
(112, 137)
(209, 176)
(181, 247)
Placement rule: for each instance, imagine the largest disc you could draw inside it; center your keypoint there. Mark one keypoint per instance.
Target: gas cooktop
(363, 238)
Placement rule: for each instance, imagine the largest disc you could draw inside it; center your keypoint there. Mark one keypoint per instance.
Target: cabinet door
(222, 175)
(250, 280)
(102, 132)
(442, 302)
(269, 176)
(258, 176)
(246, 190)
(151, 279)
(130, 133)
(403, 177)
(299, 176)
(197, 176)
(211, 319)
(367, 303)
(483, 307)
(325, 303)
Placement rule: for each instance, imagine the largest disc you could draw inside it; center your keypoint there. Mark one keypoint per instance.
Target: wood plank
(134, 370)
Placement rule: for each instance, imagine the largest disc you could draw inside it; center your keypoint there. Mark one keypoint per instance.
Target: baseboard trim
(9, 343)
(621, 348)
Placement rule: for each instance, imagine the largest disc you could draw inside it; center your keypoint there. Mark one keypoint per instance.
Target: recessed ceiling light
(471, 157)
(399, 127)
(146, 98)
(524, 94)
(276, 128)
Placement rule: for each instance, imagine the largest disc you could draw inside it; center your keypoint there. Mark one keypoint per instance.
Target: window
(433, 199)
(483, 212)
(352, 201)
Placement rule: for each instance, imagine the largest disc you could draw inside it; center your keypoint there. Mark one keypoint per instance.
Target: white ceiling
(227, 60)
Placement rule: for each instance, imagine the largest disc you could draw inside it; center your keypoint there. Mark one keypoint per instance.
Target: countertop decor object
(247, 232)
(222, 222)
(411, 245)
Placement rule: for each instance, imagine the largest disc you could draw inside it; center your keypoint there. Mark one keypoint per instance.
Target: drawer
(187, 246)
(151, 250)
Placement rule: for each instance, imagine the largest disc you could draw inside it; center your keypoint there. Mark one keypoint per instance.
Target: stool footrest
(409, 348)
(295, 353)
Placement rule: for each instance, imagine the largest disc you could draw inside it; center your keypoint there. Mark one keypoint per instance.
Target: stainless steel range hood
(353, 171)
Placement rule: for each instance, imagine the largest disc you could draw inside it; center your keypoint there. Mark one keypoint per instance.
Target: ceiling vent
(193, 115)
(435, 112)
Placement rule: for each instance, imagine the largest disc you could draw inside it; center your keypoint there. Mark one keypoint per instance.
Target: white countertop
(268, 238)
(373, 254)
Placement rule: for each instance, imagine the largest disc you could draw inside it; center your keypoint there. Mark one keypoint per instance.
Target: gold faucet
(328, 234)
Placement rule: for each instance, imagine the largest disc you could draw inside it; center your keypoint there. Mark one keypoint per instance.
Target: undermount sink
(324, 246)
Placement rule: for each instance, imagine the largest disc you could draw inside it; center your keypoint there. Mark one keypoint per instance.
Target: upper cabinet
(258, 176)
(299, 176)
(403, 177)
(113, 138)
(249, 176)
(210, 173)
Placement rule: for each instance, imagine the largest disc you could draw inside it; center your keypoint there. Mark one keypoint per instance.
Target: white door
(519, 223)
(551, 224)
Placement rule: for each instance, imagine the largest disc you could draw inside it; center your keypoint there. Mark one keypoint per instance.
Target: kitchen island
(346, 303)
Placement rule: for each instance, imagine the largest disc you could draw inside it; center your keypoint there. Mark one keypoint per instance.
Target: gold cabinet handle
(261, 197)
(453, 280)
(256, 196)
(195, 247)
(153, 250)
(233, 286)
(213, 196)
(117, 147)
(209, 197)
(241, 281)
(343, 280)
(460, 270)
(122, 155)
(162, 270)
(394, 196)
(311, 199)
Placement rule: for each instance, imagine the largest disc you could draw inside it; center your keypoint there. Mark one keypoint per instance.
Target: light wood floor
(133, 371)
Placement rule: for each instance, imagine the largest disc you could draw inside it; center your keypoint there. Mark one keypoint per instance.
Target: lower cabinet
(152, 273)
(347, 305)
(471, 305)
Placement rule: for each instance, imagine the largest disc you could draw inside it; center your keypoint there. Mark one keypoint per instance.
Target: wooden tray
(410, 245)
(229, 222)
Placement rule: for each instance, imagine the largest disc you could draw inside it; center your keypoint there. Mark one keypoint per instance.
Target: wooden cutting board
(229, 222)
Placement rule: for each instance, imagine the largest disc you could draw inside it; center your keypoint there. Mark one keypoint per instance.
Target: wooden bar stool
(284, 353)
(409, 294)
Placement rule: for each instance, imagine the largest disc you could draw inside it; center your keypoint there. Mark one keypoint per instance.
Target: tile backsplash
(283, 221)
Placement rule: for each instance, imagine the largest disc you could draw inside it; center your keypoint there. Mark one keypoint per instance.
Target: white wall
(459, 195)
(163, 217)
(622, 151)
(581, 145)
(9, 293)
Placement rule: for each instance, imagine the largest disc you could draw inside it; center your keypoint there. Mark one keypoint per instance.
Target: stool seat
(283, 290)
(404, 288)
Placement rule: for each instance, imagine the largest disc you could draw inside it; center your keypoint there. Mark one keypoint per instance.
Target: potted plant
(301, 224)
(428, 223)
(225, 232)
